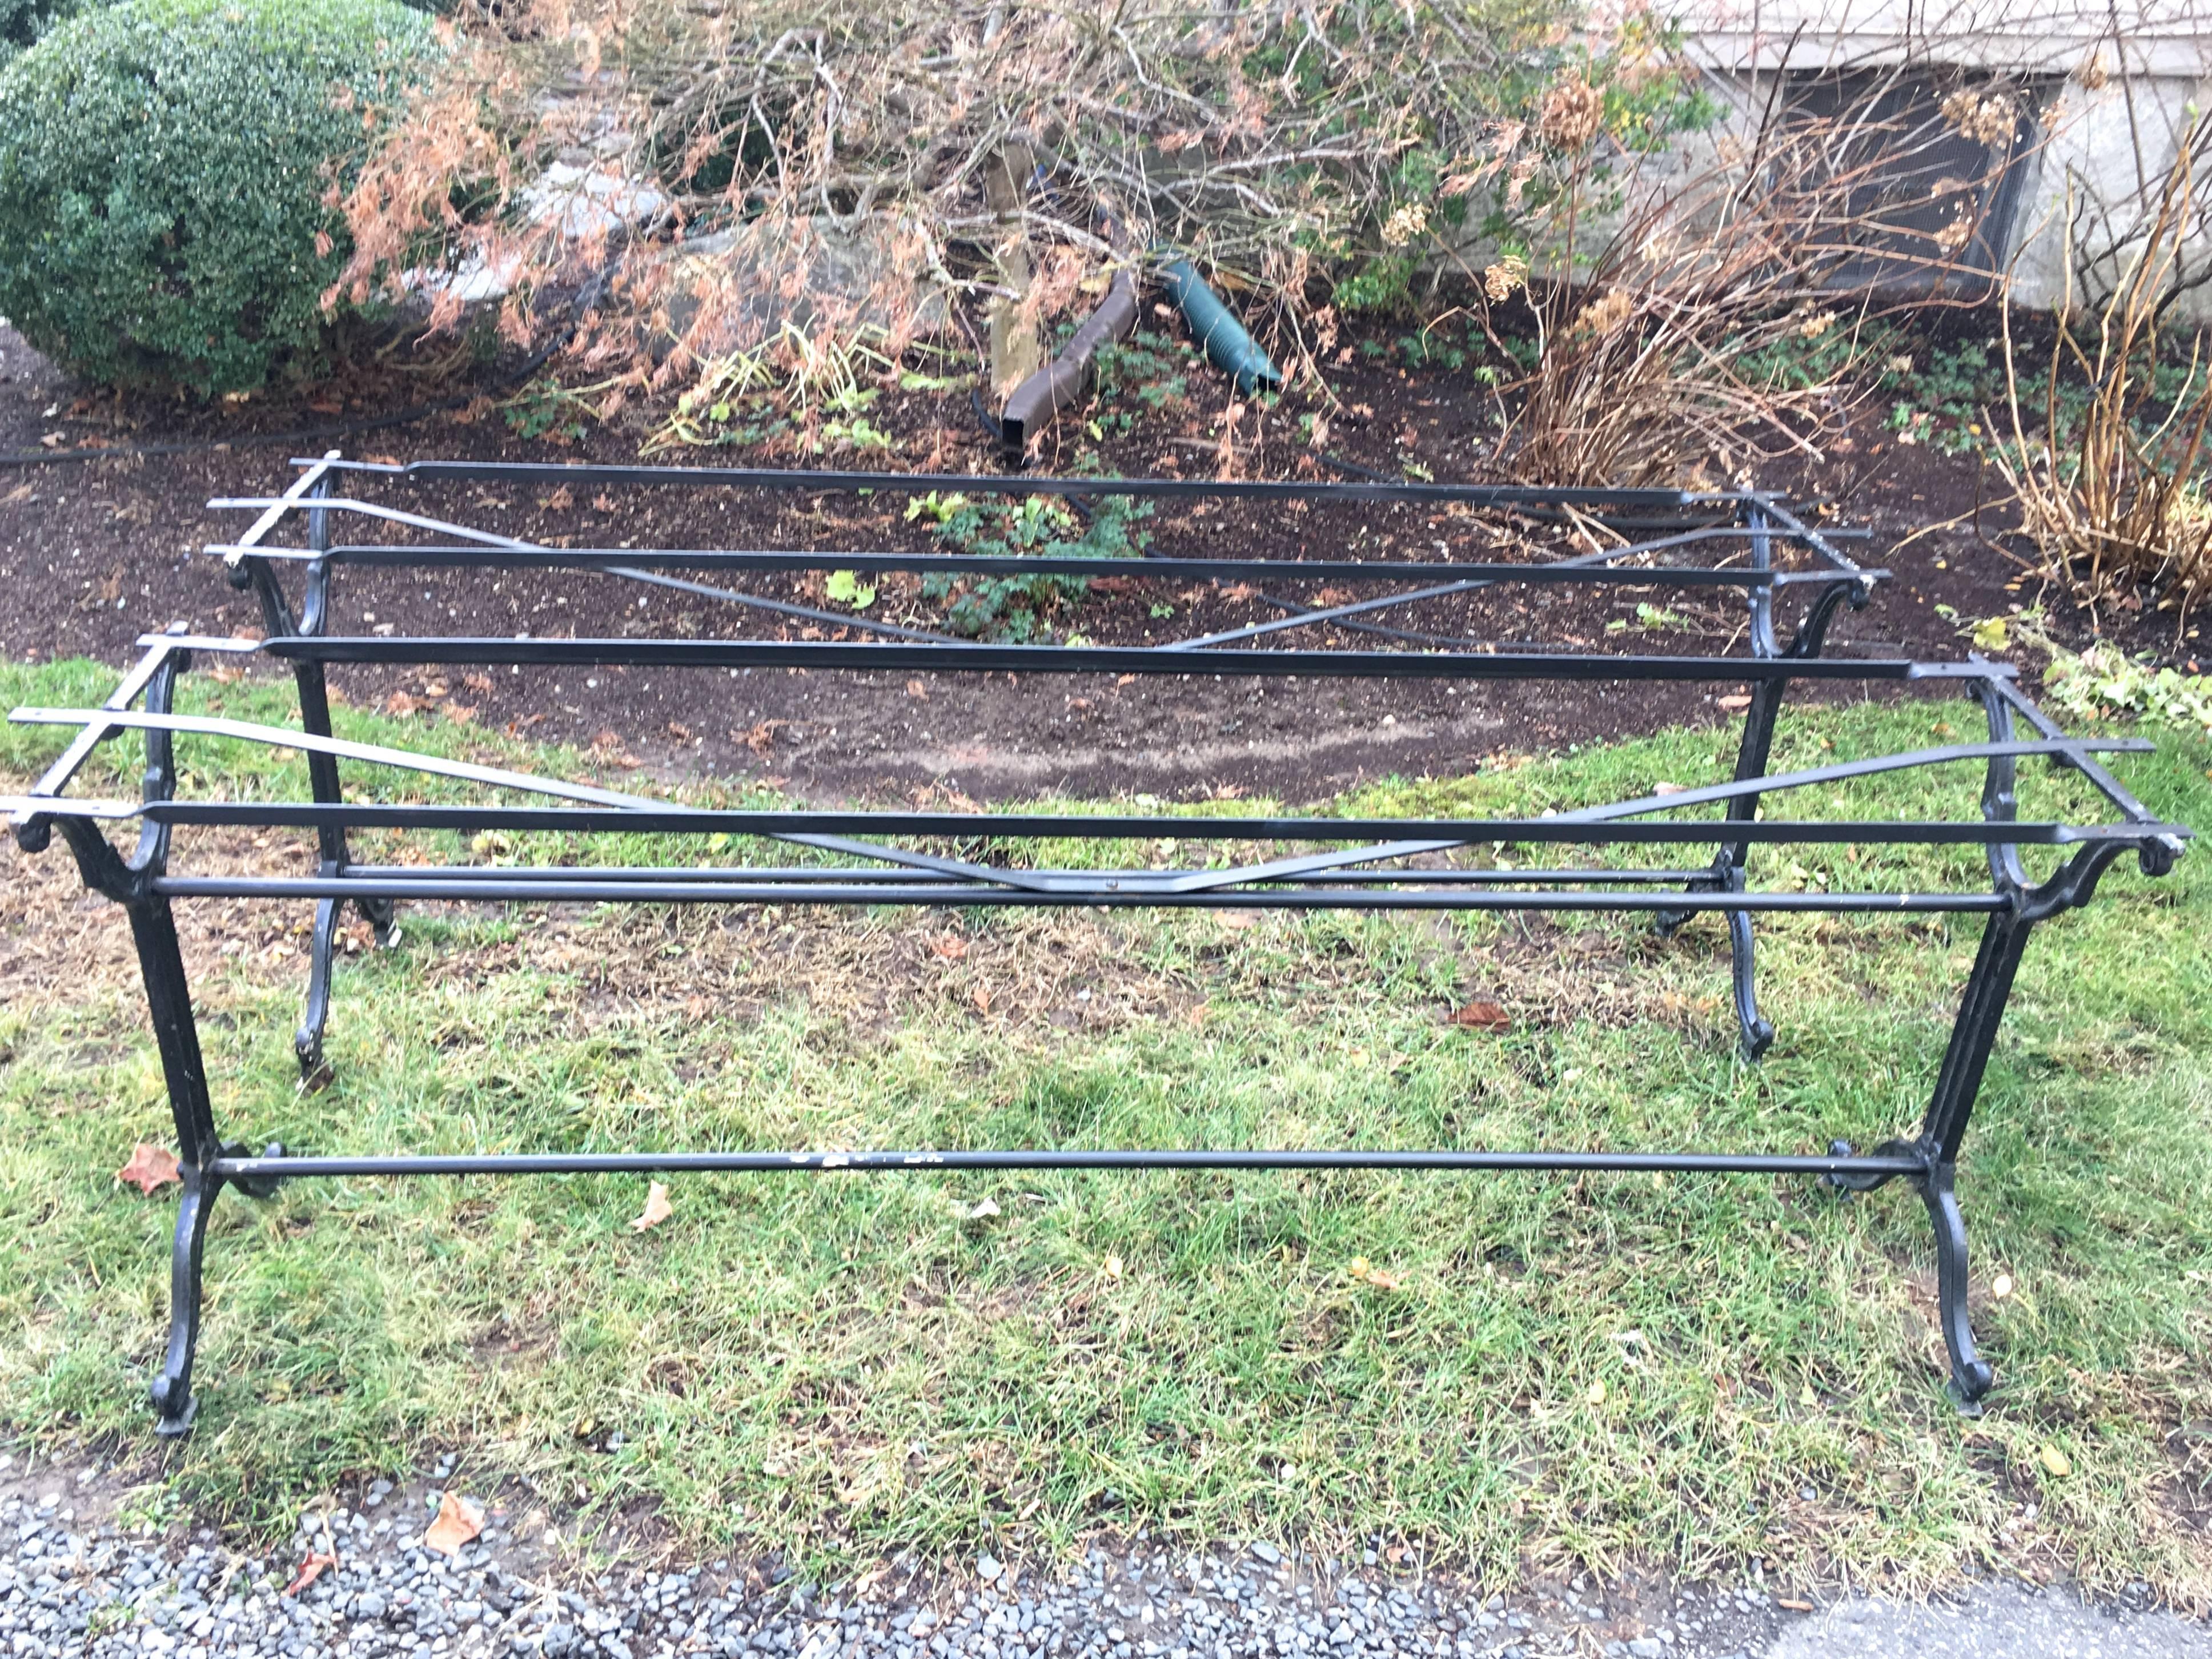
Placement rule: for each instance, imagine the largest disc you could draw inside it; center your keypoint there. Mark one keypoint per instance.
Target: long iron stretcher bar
(1716, 543)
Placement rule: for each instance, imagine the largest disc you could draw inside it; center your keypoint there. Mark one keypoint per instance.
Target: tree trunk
(1016, 353)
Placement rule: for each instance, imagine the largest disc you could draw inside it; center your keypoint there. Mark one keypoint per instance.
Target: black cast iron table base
(1743, 542)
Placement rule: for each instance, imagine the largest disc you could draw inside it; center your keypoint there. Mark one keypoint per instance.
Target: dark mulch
(93, 555)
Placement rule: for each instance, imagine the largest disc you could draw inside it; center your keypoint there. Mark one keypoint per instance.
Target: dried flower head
(1988, 121)
(1604, 316)
(1572, 111)
(1813, 327)
(2094, 74)
(1499, 280)
(1405, 223)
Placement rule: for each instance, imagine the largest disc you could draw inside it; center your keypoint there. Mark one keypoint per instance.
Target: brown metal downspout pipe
(1032, 404)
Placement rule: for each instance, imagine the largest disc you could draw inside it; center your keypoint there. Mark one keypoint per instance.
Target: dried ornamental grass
(1697, 321)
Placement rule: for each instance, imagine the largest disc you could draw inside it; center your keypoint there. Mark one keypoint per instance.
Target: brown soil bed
(93, 555)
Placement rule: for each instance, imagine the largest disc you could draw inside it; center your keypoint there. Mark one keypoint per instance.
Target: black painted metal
(313, 487)
(1880, 1166)
(1745, 542)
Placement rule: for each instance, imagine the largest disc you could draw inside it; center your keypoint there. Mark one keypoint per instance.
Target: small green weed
(2103, 681)
(1654, 619)
(1022, 607)
(1941, 395)
(846, 587)
(545, 410)
(1151, 368)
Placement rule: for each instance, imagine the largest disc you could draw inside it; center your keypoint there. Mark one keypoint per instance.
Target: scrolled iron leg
(1757, 1033)
(173, 1391)
(1971, 1377)
(379, 914)
(322, 965)
(307, 1040)
(1726, 875)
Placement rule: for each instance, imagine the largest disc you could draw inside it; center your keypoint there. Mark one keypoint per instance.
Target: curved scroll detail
(1971, 1377)
(172, 1389)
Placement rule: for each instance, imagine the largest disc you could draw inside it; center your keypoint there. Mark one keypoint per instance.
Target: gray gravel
(76, 1579)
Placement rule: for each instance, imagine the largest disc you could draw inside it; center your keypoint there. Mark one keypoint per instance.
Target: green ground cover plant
(1688, 1371)
(1022, 608)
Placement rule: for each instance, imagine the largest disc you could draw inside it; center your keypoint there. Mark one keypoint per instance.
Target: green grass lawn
(1688, 1371)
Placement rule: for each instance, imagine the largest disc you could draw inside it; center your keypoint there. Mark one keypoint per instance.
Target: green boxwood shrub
(163, 171)
(21, 21)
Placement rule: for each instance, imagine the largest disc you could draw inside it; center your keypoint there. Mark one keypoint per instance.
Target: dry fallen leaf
(657, 1210)
(2055, 1462)
(916, 689)
(310, 1569)
(150, 1167)
(1740, 700)
(399, 705)
(1669, 789)
(1483, 1017)
(459, 1520)
(1377, 1277)
(1790, 1604)
(951, 946)
(560, 501)
(1113, 1266)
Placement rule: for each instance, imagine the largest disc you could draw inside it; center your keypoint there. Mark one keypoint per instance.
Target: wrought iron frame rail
(1747, 541)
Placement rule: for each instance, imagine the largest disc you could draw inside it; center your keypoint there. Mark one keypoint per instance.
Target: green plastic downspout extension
(1231, 349)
